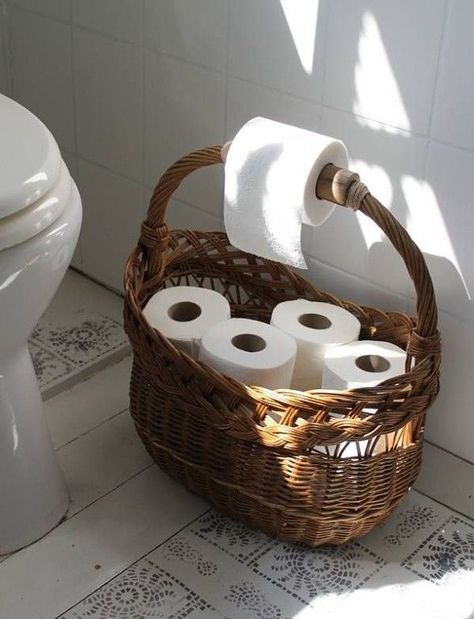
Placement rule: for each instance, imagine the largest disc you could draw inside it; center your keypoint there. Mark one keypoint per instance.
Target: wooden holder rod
(333, 183)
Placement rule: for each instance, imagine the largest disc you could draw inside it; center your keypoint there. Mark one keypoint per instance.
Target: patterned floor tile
(449, 550)
(216, 567)
(406, 528)
(395, 592)
(144, 591)
(82, 340)
(64, 348)
(223, 580)
(306, 574)
(49, 367)
(230, 536)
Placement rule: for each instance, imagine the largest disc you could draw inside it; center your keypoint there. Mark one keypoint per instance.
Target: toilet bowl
(40, 220)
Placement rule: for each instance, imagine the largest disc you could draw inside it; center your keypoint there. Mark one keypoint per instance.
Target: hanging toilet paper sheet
(184, 313)
(271, 170)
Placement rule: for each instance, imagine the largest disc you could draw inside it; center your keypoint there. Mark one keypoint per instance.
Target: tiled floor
(80, 333)
(136, 545)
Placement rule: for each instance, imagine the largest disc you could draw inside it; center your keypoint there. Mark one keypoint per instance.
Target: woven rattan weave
(209, 432)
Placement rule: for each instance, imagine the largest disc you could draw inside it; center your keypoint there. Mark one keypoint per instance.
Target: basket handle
(334, 184)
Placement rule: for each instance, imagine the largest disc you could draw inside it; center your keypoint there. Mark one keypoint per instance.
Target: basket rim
(358, 426)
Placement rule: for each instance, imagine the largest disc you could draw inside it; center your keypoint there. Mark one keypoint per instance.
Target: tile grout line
(360, 278)
(143, 106)
(68, 519)
(136, 561)
(400, 130)
(436, 85)
(83, 373)
(227, 62)
(122, 483)
(451, 453)
(452, 509)
(6, 44)
(99, 425)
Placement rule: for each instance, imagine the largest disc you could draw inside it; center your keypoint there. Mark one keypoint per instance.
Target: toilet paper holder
(204, 428)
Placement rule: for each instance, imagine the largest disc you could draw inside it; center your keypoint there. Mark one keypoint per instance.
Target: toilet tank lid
(30, 161)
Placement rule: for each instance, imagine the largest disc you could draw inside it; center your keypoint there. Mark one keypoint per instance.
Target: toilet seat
(32, 220)
(34, 181)
(30, 161)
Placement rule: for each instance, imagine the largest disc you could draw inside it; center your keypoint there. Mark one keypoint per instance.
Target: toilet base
(32, 486)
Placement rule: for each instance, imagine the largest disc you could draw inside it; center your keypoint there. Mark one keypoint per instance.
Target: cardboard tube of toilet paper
(316, 327)
(184, 313)
(362, 364)
(250, 351)
(271, 170)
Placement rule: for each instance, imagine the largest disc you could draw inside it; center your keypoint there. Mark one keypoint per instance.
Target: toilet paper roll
(250, 351)
(362, 364)
(271, 170)
(316, 327)
(184, 313)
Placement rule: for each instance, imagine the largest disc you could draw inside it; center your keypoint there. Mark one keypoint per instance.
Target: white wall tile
(381, 158)
(450, 422)
(117, 18)
(184, 110)
(351, 288)
(453, 120)
(246, 100)
(279, 44)
(441, 220)
(382, 59)
(446, 478)
(197, 33)
(4, 53)
(59, 9)
(109, 102)
(113, 213)
(184, 216)
(42, 70)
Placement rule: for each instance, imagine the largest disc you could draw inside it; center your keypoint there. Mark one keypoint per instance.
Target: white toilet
(40, 219)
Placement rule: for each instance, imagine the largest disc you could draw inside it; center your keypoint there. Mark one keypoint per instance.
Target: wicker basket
(208, 430)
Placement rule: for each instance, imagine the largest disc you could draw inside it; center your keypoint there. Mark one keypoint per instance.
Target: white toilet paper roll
(184, 313)
(316, 327)
(362, 364)
(250, 351)
(271, 170)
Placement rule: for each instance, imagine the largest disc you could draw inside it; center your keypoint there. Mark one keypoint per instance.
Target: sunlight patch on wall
(425, 223)
(378, 181)
(302, 19)
(376, 89)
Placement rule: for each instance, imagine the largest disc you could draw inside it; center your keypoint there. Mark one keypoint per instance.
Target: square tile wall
(4, 53)
(127, 86)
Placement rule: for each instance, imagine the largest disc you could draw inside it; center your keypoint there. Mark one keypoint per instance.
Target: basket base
(312, 526)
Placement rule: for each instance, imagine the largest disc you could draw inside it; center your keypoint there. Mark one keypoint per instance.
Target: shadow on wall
(378, 97)
(370, 75)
